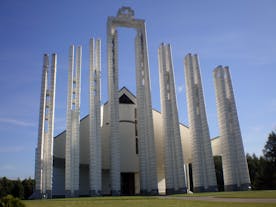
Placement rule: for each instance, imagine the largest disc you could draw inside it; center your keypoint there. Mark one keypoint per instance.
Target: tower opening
(126, 58)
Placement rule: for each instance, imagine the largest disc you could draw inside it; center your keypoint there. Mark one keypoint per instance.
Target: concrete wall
(216, 146)
(129, 158)
(59, 177)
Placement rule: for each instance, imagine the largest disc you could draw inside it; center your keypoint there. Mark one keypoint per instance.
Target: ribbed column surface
(147, 156)
(204, 177)
(95, 169)
(72, 142)
(174, 165)
(235, 169)
(44, 150)
(112, 56)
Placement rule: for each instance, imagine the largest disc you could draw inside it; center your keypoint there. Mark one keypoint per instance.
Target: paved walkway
(217, 199)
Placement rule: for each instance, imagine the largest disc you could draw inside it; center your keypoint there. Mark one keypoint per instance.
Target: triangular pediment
(126, 97)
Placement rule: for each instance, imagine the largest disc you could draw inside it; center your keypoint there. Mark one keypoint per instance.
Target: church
(129, 150)
(125, 147)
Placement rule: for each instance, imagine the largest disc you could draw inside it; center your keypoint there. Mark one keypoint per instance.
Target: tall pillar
(44, 150)
(72, 144)
(147, 155)
(112, 54)
(95, 165)
(235, 169)
(204, 177)
(174, 165)
(147, 159)
(141, 125)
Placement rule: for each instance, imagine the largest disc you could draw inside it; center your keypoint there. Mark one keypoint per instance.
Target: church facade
(129, 150)
(125, 147)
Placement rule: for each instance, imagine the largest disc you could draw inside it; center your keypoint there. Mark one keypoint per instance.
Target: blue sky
(240, 34)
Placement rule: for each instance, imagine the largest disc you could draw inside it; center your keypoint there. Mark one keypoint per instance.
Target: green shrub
(10, 201)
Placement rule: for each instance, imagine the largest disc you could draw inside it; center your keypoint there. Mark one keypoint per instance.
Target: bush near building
(16, 188)
(10, 201)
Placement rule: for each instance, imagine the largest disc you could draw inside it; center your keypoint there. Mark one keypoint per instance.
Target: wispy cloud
(7, 167)
(16, 122)
(13, 149)
(180, 88)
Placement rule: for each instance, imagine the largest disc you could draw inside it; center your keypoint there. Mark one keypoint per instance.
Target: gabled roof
(126, 95)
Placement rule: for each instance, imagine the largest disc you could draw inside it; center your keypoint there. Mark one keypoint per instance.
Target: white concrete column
(147, 156)
(40, 142)
(98, 114)
(181, 180)
(44, 150)
(209, 160)
(94, 119)
(235, 169)
(164, 96)
(112, 53)
(204, 178)
(68, 141)
(229, 171)
(76, 138)
(140, 115)
(174, 165)
(51, 113)
(73, 125)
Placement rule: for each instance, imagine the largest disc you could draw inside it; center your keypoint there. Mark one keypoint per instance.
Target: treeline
(262, 172)
(19, 189)
(262, 169)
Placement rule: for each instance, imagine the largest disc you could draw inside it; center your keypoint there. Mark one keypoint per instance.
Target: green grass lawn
(237, 194)
(125, 202)
(140, 201)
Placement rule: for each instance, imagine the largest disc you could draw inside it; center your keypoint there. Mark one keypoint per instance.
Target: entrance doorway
(127, 184)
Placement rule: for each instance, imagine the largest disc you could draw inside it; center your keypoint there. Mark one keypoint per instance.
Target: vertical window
(47, 98)
(136, 146)
(136, 132)
(46, 125)
(47, 110)
(135, 125)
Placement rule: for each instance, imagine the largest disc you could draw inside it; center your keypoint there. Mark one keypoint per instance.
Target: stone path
(217, 199)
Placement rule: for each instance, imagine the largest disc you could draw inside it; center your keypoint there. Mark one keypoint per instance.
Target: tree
(263, 170)
(269, 150)
(266, 175)
(18, 189)
(253, 167)
(5, 187)
(28, 185)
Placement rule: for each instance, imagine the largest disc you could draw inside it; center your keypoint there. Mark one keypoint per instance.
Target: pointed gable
(126, 97)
